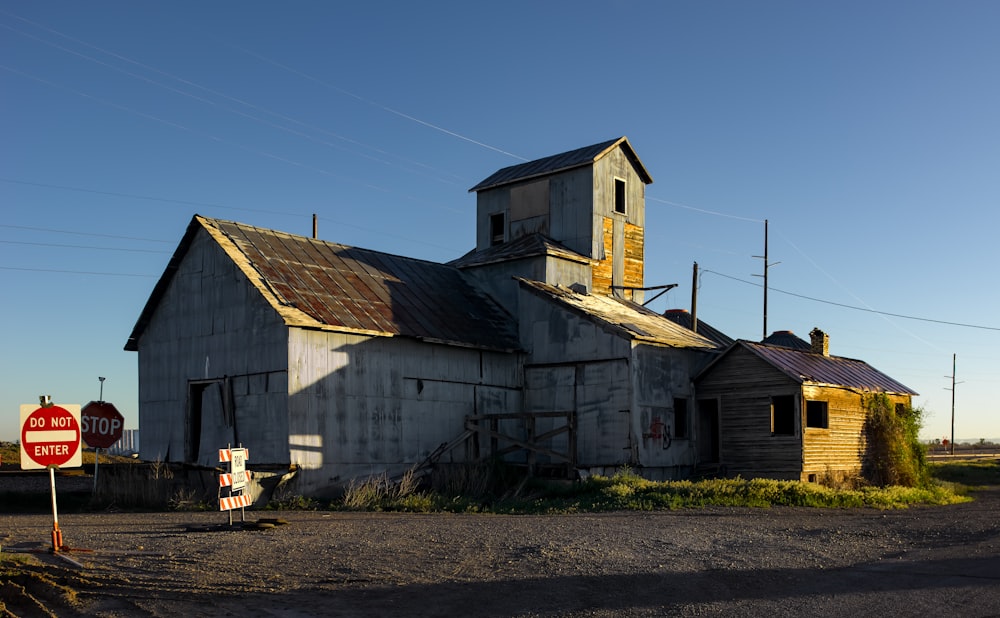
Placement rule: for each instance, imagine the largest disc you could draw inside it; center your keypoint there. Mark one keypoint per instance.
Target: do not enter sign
(50, 436)
(102, 424)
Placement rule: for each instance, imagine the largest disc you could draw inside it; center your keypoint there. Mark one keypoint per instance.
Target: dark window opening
(620, 195)
(497, 225)
(816, 415)
(783, 415)
(680, 417)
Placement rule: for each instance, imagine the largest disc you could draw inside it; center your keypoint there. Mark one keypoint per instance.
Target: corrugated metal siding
(808, 367)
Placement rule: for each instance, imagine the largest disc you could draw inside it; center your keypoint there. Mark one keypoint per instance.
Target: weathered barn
(346, 362)
(788, 413)
(340, 360)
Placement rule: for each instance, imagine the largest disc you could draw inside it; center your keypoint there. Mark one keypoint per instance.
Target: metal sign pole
(56, 532)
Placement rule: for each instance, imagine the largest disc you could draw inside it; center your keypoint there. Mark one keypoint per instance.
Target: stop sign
(50, 436)
(102, 424)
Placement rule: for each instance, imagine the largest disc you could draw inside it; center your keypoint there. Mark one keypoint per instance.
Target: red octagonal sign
(50, 436)
(102, 424)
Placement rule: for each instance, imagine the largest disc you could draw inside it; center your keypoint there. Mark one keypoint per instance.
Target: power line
(218, 94)
(704, 211)
(60, 246)
(150, 198)
(77, 233)
(846, 306)
(376, 104)
(73, 272)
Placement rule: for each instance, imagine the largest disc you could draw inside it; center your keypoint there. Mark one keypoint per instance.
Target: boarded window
(620, 195)
(783, 415)
(680, 417)
(529, 200)
(816, 415)
(497, 225)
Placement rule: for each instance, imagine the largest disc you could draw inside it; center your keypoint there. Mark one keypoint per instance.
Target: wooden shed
(790, 413)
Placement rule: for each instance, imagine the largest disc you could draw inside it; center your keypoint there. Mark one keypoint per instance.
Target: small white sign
(238, 468)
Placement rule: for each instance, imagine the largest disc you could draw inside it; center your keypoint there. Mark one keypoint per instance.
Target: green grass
(970, 473)
(627, 491)
(494, 489)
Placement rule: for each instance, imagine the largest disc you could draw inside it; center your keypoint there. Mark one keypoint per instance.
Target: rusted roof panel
(805, 366)
(561, 162)
(628, 318)
(316, 284)
(532, 245)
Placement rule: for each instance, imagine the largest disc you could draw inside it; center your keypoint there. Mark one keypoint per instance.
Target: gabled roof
(787, 339)
(622, 316)
(321, 285)
(532, 245)
(804, 366)
(682, 318)
(562, 162)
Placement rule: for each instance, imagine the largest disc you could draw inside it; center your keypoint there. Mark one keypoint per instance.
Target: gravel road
(707, 562)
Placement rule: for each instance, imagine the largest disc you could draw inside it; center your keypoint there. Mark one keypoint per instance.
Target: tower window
(620, 195)
(497, 225)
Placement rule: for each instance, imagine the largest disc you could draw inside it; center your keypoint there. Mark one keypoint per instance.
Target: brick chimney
(820, 342)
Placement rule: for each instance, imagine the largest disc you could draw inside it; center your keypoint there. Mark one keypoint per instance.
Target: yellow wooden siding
(634, 260)
(602, 268)
(839, 449)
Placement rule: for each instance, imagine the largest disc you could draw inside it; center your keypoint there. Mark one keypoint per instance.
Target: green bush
(894, 454)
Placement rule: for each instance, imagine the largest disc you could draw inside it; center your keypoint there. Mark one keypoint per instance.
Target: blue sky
(866, 133)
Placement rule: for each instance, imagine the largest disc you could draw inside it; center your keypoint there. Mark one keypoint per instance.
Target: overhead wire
(215, 93)
(846, 306)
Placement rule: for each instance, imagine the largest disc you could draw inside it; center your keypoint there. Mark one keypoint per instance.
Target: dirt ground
(719, 561)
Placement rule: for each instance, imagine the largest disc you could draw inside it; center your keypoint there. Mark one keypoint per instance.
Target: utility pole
(766, 266)
(952, 389)
(694, 298)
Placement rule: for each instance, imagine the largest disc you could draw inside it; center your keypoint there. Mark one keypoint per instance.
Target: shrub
(894, 454)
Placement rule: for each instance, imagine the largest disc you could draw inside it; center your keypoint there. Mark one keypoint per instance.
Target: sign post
(101, 426)
(50, 438)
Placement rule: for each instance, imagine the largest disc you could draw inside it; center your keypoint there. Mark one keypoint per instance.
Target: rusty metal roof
(805, 366)
(317, 284)
(531, 245)
(683, 318)
(623, 316)
(561, 162)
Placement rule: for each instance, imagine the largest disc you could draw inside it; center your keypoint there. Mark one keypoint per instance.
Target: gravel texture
(706, 562)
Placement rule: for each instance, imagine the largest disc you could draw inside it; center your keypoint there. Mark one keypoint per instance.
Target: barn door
(211, 420)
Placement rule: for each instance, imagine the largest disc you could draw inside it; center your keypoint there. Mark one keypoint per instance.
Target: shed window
(497, 225)
(783, 415)
(816, 415)
(620, 195)
(680, 417)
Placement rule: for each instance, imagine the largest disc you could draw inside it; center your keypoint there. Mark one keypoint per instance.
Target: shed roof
(322, 285)
(685, 319)
(623, 316)
(532, 245)
(804, 366)
(561, 162)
